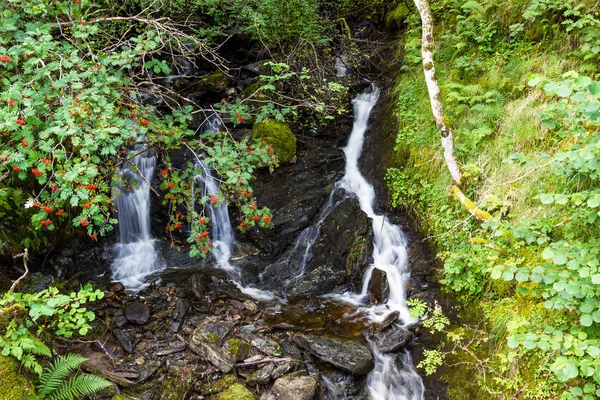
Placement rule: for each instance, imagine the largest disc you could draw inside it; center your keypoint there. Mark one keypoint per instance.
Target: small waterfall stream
(222, 233)
(135, 253)
(392, 378)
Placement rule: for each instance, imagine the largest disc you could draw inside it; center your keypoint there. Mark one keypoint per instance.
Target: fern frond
(31, 363)
(34, 345)
(79, 386)
(55, 375)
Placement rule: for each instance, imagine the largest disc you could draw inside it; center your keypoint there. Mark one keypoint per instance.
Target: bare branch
(25, 255)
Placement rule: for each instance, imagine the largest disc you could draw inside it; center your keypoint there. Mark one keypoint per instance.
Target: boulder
(137, 313)
(279, 135)
(393, 339)
(341, 252)
(295, 388)
(216, 82)
(347, 355)
(294, 193)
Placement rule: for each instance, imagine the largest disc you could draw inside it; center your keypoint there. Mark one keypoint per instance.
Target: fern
(55, 386)
(79, 386)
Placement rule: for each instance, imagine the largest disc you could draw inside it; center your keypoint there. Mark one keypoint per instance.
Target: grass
(495, 114)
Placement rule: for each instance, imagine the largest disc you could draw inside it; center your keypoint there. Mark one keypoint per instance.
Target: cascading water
(301, 253)
(135, 253)
(392, 378)
(222, 232)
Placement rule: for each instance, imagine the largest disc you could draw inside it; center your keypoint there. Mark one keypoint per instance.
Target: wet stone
(207, 345)
(137, 313)
(294, 388)
(393, 340)
(124, 339)
(115, 287)
(347, 355)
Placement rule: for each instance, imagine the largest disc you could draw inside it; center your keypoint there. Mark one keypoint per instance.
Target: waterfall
(221, 231)
(392, 378)
(135, 253)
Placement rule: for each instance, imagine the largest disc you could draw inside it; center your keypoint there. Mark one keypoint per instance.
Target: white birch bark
(433, 88)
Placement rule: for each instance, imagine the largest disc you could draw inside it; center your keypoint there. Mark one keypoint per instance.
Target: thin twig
(25, 255)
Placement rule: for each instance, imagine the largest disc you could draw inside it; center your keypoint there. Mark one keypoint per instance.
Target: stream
(392, 377)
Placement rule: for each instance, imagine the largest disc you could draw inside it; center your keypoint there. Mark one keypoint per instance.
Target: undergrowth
(518, 84)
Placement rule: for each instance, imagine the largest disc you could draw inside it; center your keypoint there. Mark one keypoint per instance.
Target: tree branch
(25, 255)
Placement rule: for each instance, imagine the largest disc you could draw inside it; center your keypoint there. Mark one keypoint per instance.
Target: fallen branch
(264, 361)
(25, 255)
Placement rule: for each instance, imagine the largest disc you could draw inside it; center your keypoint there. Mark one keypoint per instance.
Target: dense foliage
(69, 112)
(520, 86)
(27, 320)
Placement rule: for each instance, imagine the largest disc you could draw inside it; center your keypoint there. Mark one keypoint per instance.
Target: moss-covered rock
(235, 392)
(279, 135)
(216, 82)
(124, 397)
(397, 16)
(178, 382)
(13, 384)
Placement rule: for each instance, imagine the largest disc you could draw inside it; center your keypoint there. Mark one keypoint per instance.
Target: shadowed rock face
(295, 193)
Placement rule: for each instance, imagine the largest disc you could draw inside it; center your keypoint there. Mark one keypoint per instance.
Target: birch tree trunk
(433, 88)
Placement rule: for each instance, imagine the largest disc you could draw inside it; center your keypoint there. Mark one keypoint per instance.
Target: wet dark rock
(147, 370)
(262, 376)
(137, 313)
(66, 261)
(347, 355)
(115, 287)
(378, 286)
(337, 260)
(294, 193)
(389, 320)
(120, 321)
(208, 345)
(393, 339)
(124, 339)
(37, 282)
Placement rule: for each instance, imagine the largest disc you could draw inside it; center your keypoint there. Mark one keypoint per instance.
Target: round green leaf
(586, 320)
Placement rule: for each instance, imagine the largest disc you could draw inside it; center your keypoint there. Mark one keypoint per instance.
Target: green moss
(217, 81)
(397, 16)
(14, 385)
(277, 134)
(236, 392)
(123, 397)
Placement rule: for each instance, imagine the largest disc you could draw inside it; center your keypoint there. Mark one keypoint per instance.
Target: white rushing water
(392, 378)
(222, 234)
(135, 253)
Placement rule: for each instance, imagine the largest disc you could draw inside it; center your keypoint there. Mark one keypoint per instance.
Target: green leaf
(586, 320)
(508, 276)
(564, 91)
(547, 253)
(596, 279)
